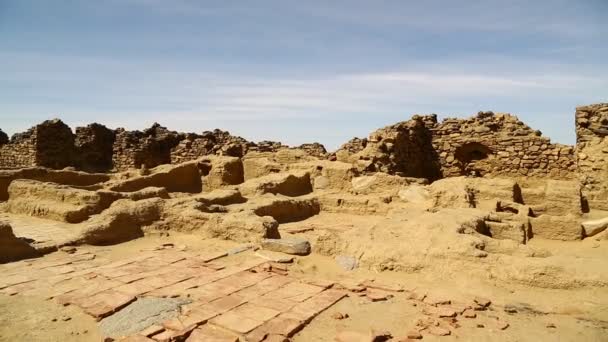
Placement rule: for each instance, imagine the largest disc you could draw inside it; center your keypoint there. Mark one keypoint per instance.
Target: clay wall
(94, 147)
(592, 153)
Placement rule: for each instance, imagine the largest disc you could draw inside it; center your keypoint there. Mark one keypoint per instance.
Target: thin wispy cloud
(298, 71)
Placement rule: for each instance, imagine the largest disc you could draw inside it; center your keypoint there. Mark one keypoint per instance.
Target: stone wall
(592, 153)
(3, 138)
(54, 144)
(487, 144)
(49, 144)
(217, 142)
(19, 152)
(223, 143)
(94, 147)
(403, 149)
(499, 145)
(152, 147)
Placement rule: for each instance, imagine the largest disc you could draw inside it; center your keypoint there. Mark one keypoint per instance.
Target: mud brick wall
(404, 149)
(151, 148)
(94, 147)
(487, 144)
(220, 142)
(54, 144)
(499, 145)
(216, 142)
(49, 144)
(592, 153)
(20, 152)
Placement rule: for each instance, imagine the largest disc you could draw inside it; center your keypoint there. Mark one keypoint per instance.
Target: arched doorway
(473, 158)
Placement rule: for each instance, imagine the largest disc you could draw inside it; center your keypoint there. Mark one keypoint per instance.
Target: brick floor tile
(307, 310)
(136, 288)
(268, 301)
(323, 283)
(173, 335)
(152, 330)
(63, 269)
(14, 280)
(295, 291)
(136, 338)
(87, 290)
(225, 303)
(207, 257)
(198, 316)
(211, 334)
(105, 303)
(257, 312)
(236, 323)
(281, 325)
(383, 285)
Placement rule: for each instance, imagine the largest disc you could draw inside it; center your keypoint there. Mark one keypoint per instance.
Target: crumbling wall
(3, 138)
(151, 148)
(487, 144)
(499, 145)
(218, 142)
(94, 147)
(49, 144)
(592, 153)
(19, 152)
(403, 149)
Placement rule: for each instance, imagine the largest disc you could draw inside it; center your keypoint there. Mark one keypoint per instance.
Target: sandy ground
(551, 315)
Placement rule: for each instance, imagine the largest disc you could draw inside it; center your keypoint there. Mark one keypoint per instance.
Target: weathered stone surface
(297, 246)
(13, 248)
(594, 227)
(348, 263)
(566, 227)
(139, 315)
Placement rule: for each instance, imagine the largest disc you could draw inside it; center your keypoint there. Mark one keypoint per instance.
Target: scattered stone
(275, 256)
(483, 302)
(381, 285)
(348, 263)
(445, 312)
(502, 325)
(354, 336)
(377, 295)
(296, 246)
(479, 325)
(439, 331)
(551, 325)
(240, 249)
(435, 300)
(68, 249)
(414, 335)
(339, 315)
(469, 314)
(510, 309)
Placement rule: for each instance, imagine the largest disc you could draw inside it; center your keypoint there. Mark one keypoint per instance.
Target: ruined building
(486, 144)
(96, 148)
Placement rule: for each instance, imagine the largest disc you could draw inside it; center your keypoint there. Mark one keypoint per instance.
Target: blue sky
(299, 71)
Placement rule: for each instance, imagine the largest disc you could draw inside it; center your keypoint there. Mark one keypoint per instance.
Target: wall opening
(472, 157)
